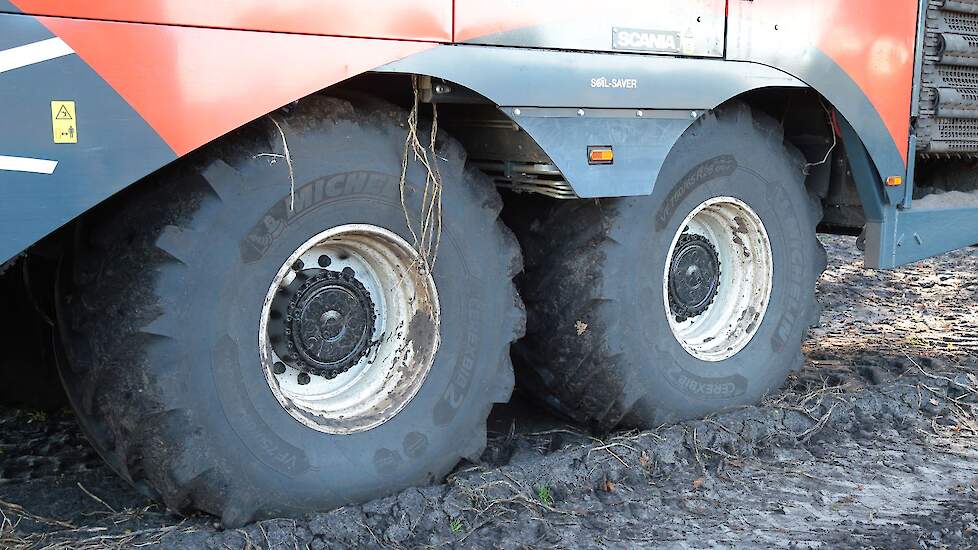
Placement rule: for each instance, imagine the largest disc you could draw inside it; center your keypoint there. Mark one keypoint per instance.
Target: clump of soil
(874, 444)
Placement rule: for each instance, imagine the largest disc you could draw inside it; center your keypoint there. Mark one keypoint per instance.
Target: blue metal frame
(116, 145)
(896, 235)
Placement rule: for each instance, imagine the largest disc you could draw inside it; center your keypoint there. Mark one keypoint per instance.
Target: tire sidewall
(678, 385)
(250, 238)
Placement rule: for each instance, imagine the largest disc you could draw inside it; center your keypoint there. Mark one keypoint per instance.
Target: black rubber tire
(599, 263)
(28, 375)
(161, 308)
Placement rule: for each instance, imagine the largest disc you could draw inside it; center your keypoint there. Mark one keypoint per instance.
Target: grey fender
(639, 104)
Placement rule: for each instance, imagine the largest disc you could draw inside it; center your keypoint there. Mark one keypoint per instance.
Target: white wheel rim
(404, 340)
(736, 313)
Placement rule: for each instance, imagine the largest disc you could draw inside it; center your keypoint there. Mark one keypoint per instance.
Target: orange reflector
(894, 181)
(600, 155)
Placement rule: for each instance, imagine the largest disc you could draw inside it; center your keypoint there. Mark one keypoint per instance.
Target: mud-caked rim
(349, 329)
(718, 279)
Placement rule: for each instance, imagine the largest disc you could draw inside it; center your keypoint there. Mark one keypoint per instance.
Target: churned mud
(873, 445)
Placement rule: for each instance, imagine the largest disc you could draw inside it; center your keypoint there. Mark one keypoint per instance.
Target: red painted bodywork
(872, 40)
(193, 85)
(426, 20)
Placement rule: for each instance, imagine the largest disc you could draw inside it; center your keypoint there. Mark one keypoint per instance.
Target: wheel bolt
(298, 265)
(324, 261)
(303, 379)
(348, 271)
(279, 368)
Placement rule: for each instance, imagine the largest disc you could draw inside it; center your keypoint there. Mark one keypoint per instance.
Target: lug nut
(298, 265)
(324, 261)
(348, 271)
(279, 368)
(303, 379)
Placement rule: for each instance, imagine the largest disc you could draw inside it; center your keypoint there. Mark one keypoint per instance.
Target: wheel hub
(714, 315)
(694, 277)
(349, 329)
(327, 325)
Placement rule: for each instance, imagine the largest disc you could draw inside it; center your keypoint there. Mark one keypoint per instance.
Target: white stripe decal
(24, 164)
(29, 54)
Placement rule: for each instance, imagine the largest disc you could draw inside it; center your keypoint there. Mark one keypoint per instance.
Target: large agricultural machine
(263, 241)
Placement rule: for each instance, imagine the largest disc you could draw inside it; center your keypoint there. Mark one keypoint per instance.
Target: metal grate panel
(948, 116)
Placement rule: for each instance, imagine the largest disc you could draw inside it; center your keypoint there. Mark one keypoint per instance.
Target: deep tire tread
(128, 431)
(565, 247)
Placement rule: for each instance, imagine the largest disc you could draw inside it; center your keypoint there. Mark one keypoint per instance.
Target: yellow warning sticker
(64, 122)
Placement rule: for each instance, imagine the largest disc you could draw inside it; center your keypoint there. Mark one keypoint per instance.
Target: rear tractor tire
(249, 350)
(695, 299)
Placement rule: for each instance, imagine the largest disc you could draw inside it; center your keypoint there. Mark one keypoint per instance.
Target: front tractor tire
(251, 350)
(656, 309)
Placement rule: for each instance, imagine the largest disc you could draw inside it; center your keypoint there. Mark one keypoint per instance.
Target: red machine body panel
(187, 82)
(427, 20)
(193, 85)
(872, 41)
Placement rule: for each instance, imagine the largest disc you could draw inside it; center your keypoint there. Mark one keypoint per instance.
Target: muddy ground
(873, 445)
